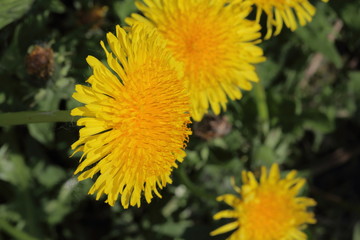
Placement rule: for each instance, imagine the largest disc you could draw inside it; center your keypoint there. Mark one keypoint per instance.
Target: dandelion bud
(212, 127)
(40, 61)
(94, 17)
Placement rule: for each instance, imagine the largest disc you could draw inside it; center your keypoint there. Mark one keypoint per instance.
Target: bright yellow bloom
(215, 43)
(280, 12)
(135, 118)
(268, 209)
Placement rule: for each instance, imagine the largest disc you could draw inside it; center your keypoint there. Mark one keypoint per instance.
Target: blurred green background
(305, 116)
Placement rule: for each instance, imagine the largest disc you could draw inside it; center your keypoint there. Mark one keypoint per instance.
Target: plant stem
(262, 107)
(20, 118)
(14, 232)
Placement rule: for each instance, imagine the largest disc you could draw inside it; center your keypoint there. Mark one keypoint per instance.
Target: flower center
(269, 216)
(144, 105)
(197, 42)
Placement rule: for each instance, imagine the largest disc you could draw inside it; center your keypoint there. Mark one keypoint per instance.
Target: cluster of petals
(290, 13)
(135, 118)
(176, 61)
(214, 41)
(268, 209)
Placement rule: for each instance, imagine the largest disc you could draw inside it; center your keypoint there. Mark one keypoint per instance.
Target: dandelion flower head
(214, 41)
(268, 209)
(280, 12)
(135, 118)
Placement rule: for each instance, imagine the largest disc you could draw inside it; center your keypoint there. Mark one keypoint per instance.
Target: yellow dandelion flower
(268, 209)
(135, 118)
(280, 12)
(215, 43)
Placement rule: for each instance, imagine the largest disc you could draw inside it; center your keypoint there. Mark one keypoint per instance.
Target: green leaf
(354, 82)
(204, 153)
(11, 10)
(264, 155)
(268, 70)
(124, 8)
(315, 36)
(43, 132)
(70, 192)
(318, 121)
(356, 233)
(14, 232)
(57, 6)
(14, 169)
(49, 176)
(173, 229)
(47, 100)
(273, 138)
(350, 14)
(11, 55)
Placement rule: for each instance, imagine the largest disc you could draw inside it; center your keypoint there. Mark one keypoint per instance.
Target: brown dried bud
(212, 127)
(94, 17)
(40, 61)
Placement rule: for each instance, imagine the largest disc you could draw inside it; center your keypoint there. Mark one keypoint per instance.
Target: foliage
(305, 116)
